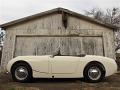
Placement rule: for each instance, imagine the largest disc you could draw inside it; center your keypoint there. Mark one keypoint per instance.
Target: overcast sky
(15, 9)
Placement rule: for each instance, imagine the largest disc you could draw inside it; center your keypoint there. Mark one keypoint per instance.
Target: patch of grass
(11, 88)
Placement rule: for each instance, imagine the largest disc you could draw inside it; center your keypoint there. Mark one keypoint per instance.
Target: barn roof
(56, 10)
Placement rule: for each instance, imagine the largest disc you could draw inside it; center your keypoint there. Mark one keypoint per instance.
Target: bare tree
(110, 16)
(95, 13)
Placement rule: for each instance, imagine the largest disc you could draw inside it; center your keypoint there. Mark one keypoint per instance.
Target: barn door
(80, 45)
(66, 45)
(93, 45)
(36, 45)
(71, 45)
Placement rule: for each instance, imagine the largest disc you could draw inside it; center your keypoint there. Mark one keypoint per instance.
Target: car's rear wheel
(94, 72)
(21, 72)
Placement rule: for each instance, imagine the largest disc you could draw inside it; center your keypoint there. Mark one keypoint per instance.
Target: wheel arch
(21, 61)
(94, 62)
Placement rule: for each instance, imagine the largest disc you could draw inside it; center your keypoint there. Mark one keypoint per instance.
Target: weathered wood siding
(45, 35)
(67, 45)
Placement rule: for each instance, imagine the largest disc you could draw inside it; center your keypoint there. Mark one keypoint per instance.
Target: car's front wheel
(94, 72)
(21, 72)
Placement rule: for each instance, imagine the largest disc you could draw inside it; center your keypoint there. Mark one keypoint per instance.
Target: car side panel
(42, 66)
(108, 63)
(64, 64)
(39, 64)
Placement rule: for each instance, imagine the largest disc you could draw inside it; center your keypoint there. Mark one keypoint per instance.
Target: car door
(64, 64)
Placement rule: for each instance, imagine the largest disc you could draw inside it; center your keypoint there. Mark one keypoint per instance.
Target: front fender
(109, 64)
(12, 61)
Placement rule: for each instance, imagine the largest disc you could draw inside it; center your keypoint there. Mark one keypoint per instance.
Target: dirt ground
(110, 83)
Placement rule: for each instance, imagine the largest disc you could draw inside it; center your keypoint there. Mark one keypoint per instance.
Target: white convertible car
(92, 68)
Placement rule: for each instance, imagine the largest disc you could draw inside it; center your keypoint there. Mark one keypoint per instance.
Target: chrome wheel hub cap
(21, 73)
(94, 73)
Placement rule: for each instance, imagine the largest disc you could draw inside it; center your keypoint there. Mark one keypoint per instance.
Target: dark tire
(21, 72)
(94, 72)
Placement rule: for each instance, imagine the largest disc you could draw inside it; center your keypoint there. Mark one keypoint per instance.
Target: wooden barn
(58, 29)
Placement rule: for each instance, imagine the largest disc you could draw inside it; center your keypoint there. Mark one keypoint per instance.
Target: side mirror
(52, 56)
(82, 55)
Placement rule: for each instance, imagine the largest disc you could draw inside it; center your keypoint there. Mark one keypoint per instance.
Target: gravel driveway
(110, 83)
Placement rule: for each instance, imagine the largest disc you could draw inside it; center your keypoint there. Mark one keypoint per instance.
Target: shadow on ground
(109, 83)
